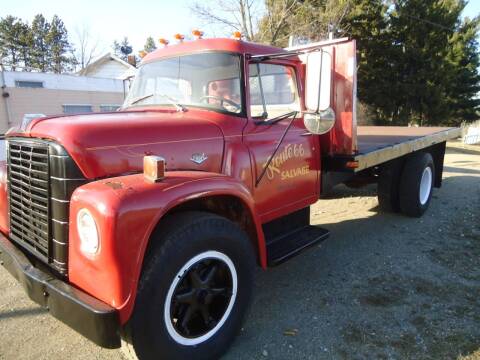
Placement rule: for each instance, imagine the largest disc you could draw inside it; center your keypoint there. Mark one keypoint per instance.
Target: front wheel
(194, 290)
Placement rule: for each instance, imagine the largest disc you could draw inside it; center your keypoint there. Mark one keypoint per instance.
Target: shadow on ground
(383, 286)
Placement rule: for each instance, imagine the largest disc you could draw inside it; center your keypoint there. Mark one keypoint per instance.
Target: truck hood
(110, 144)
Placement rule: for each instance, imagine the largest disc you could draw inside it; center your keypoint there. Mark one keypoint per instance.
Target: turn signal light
(237, 35)
(352, 164)
(197, 34)
(179, 37)
(142, 53)
(154, 168)
(163, 41)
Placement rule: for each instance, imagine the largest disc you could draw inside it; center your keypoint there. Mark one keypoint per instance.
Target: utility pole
(5, 95)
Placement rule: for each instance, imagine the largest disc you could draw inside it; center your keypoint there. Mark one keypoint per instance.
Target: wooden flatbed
(379, 144)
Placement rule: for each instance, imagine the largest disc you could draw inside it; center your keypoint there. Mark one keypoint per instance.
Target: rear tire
(388, 186)
(416, 184)
(195, 289)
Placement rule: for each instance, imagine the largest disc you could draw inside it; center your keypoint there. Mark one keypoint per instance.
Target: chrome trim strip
(65, 179)
(60, 243)
(61, 201)
(60, 222)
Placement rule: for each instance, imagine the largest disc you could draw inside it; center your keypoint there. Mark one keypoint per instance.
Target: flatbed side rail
(380, 156)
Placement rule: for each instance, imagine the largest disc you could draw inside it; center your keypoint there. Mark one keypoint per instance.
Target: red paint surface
(342, 138)
(127, 209)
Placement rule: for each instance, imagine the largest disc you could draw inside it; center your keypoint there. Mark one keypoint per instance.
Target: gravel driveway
(383, 286)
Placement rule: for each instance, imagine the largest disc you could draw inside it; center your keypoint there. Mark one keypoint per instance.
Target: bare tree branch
(87, 47)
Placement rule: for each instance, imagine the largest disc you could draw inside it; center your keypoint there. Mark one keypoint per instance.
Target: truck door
(290, 182)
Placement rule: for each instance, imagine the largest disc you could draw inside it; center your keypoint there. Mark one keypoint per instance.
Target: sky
(109, 20)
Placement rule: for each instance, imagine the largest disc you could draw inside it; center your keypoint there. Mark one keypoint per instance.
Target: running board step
(288, 245)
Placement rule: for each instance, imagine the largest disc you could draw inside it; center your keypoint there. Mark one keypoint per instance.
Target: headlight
(88, 233)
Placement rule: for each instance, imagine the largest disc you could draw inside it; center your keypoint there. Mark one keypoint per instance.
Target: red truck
(146, 224)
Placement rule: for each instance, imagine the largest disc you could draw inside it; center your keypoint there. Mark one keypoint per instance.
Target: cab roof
(215, 44)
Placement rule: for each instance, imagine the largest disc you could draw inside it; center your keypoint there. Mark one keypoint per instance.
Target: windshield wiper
(277, 118)
(174, 102)
(141, 98)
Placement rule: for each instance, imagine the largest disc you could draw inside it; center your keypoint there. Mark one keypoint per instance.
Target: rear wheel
(416, 184)
(388, 186)
(194, 290)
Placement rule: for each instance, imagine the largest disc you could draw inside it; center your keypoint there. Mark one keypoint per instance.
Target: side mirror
(318, 85)
(320, 117)
(319, 123)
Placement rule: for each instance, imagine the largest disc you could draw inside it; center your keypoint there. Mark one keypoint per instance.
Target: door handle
(306, 134)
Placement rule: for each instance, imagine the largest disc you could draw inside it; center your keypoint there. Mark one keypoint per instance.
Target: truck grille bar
(41, 179)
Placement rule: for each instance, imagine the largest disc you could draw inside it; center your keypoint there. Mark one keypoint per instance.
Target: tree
(43, 46)
(367, 23)
(275, 26)
(14, 42)
(308, 19)
(231, 15)
(41, 55)
(25, 45)
(149, 45)
(58, 45)
(117, 48)
(418, 62)
(87, 47)
(462, 98)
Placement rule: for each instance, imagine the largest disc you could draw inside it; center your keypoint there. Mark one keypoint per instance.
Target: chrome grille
(29, 196)
(41, 179)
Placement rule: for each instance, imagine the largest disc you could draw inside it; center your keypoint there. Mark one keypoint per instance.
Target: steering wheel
(222, 100)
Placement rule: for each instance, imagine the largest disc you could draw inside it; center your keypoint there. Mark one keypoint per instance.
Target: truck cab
(146, 224)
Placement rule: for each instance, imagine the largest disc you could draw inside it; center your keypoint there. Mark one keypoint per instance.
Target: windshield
(210, 80)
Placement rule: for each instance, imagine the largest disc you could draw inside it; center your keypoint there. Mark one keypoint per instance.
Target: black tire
(184, 238)
(388, 186)
(410, 194)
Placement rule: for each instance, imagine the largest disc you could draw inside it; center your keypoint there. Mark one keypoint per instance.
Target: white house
(109, 66)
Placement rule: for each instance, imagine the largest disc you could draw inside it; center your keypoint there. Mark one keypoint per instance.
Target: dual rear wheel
(406, 185)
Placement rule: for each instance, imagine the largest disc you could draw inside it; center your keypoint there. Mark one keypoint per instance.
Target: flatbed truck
(145, 225)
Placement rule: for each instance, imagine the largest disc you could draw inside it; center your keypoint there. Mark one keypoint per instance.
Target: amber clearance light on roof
(237, 35)
(179, 37)
(163, 41)
(197, 34)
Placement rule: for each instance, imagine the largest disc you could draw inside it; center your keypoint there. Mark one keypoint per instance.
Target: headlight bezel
(88, 234)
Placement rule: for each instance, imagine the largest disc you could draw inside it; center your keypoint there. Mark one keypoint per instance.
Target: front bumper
(90, 317)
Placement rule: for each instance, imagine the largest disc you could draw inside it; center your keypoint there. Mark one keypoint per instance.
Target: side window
(272, 90)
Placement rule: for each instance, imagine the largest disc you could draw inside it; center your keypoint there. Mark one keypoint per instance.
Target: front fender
(127, 209)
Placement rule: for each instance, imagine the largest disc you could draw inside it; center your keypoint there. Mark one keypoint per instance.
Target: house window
(76, 109)
(29, 84)
(111, 107)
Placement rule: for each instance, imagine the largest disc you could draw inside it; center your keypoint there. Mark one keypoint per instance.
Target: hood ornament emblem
(199, 158)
